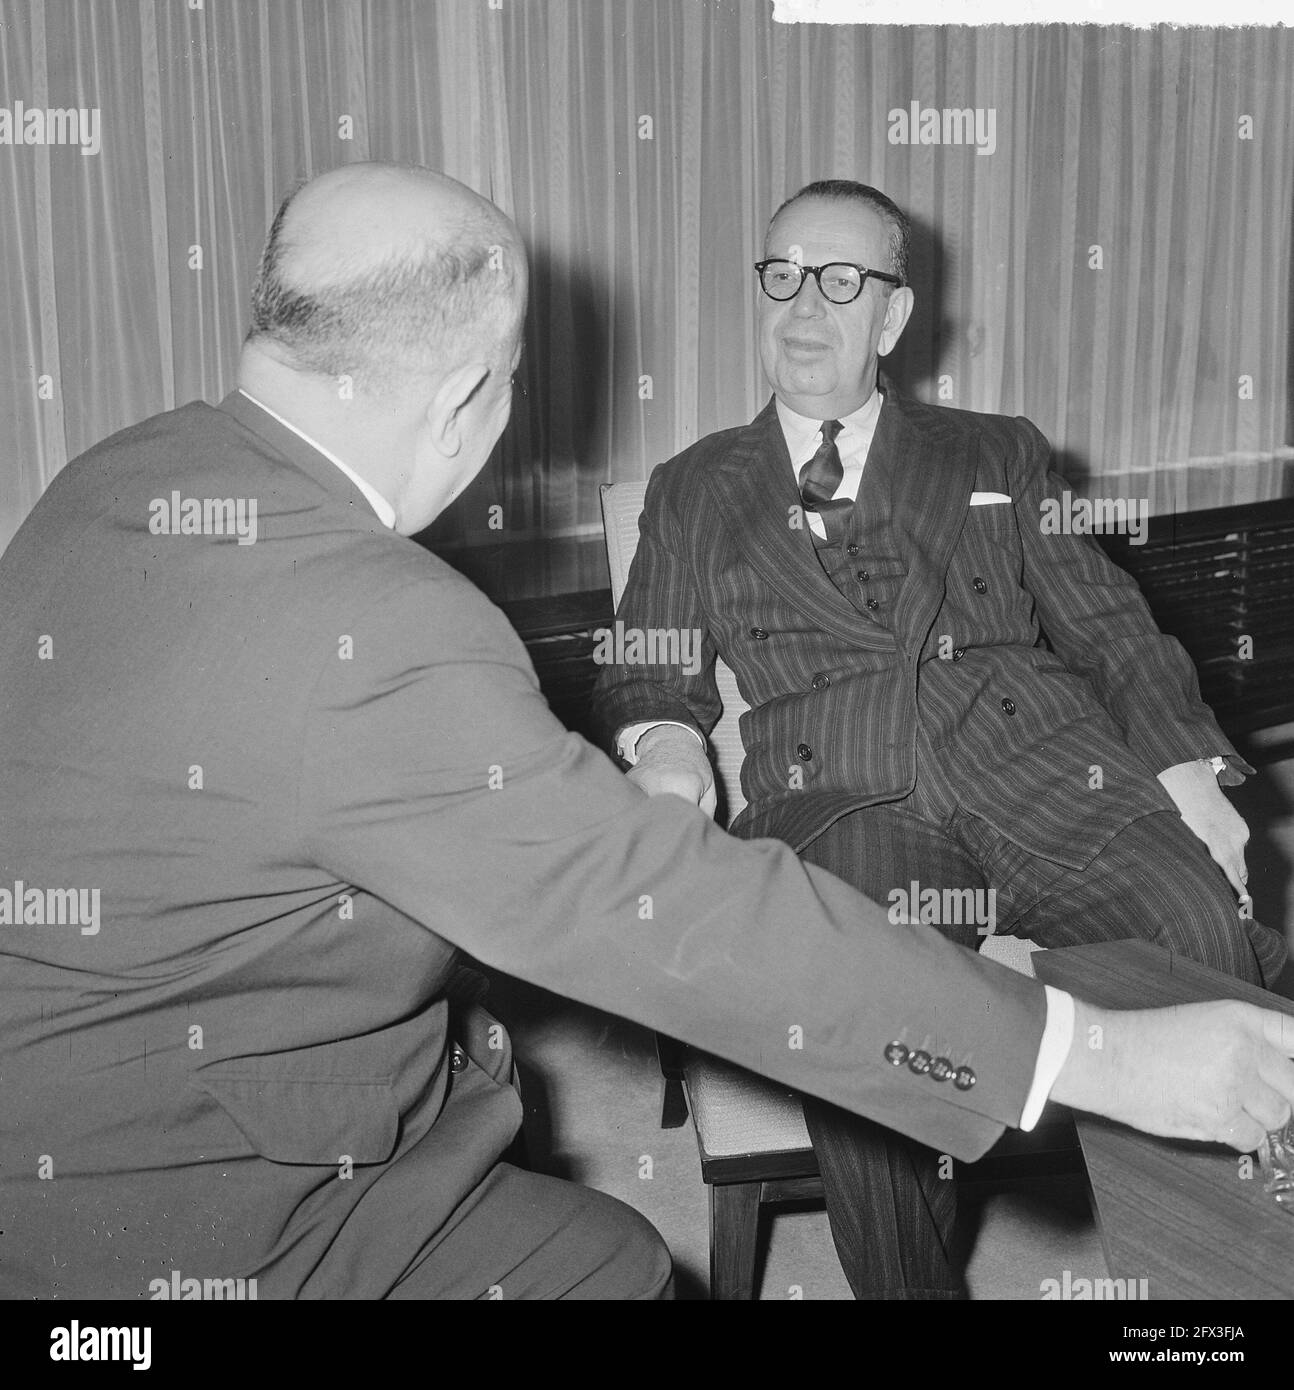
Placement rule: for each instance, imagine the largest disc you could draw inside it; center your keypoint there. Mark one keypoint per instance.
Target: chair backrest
(622, 504)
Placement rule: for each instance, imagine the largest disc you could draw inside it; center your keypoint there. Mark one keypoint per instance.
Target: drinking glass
(1276, 1157)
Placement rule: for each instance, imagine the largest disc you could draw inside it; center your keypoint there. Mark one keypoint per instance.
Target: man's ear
(897, 313)
(445, 409)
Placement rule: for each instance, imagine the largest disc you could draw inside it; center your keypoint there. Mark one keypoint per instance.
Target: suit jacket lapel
(754, 491)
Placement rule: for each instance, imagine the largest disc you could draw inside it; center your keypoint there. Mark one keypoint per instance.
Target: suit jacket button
(759, 634)
(804, 751)
(872, 604)
(919, 1062)
(1008, 706)
(457, 1059)
(864, 576)
(941, 1069)
(851, 549)
(979, 585)
(821, 681)
(964, 1079)
(895, 1053)
(958, 653)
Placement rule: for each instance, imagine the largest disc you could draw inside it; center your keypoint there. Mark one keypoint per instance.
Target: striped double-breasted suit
(721, 552)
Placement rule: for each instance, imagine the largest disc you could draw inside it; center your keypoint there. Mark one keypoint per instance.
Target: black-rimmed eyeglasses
(841, 282)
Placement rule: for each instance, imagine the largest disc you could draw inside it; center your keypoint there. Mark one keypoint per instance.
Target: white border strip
(1137, 13)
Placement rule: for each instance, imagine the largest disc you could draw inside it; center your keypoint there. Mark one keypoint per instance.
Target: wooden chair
(751, 1136)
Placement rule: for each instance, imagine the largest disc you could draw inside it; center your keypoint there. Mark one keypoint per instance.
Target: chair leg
(673, 1104)
(734, 1232)
(673, 1108)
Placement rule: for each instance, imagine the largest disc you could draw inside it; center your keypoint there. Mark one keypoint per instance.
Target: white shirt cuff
(1057, 1038)
(627, 738)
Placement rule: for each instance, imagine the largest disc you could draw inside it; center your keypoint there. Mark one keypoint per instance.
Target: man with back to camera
(876, 573)
(281, 774)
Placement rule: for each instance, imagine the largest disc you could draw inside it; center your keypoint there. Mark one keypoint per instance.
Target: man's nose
(810, 302)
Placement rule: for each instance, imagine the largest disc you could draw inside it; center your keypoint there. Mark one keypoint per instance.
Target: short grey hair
(848, 191)
(423, 308)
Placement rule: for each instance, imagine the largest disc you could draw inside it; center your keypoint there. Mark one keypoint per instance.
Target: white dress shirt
(803, 435)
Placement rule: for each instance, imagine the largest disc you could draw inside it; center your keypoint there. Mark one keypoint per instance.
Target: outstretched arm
(434, 775)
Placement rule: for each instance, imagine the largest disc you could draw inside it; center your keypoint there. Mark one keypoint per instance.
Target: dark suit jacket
(983, 584)
(301, 773)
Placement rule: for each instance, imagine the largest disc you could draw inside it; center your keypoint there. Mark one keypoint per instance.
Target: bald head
(386, 274)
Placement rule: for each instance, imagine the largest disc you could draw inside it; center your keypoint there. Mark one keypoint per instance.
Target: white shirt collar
(385, 511)
(802, 430)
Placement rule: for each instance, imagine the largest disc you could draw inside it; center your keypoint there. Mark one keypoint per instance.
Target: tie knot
(830, 429)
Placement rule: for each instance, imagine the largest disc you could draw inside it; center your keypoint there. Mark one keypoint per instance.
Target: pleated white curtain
(1118, 267)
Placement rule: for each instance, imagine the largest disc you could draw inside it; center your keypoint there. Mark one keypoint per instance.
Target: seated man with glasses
(948, 705)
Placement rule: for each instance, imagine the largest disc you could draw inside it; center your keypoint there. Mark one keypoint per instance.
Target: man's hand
(1202, 804)
(1219, 1072)
(671, 760)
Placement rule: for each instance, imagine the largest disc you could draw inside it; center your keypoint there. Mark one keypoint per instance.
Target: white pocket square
(988, 499)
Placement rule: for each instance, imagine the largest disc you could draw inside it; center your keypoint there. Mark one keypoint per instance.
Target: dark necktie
(819, 479)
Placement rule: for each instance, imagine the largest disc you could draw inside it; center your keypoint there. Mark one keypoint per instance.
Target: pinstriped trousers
(892, 1216)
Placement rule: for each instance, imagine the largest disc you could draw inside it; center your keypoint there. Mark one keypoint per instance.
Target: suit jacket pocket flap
(310, 1121)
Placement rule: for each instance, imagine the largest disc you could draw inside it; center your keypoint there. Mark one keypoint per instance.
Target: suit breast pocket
(988, 550)
(993, 522)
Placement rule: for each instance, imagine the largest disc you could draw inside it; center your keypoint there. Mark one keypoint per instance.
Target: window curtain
(1116, 267)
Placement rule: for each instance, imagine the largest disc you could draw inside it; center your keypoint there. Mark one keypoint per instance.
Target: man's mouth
(804, 348)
